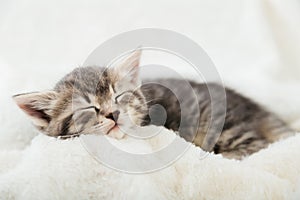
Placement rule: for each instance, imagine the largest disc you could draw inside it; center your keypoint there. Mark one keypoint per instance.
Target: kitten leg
(236, 155)
(245, 148)
(274, 129)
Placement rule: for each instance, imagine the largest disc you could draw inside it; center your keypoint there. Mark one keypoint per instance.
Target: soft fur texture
(63, 169)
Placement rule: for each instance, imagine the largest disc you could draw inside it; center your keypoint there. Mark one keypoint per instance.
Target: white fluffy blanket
(63, 169)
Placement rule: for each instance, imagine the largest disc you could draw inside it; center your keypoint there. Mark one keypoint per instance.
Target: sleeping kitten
(94, 99)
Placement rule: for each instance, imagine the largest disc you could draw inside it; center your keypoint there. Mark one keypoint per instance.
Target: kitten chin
(116, 132)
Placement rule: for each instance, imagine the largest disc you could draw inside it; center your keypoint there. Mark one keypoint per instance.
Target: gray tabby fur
(94, 99)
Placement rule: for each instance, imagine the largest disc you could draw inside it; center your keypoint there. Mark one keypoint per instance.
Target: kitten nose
(114, 115)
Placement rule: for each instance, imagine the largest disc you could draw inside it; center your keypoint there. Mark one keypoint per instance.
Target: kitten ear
(129, 67)
(38, 106)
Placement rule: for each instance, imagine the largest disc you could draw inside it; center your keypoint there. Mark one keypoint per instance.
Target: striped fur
(92, 99)
(247, 128)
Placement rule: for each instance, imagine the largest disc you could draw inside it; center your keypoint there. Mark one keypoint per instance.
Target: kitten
(99, 100)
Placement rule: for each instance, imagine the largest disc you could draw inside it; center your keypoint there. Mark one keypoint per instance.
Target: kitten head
(89, 97)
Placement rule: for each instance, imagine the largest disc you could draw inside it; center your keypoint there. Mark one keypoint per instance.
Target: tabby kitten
(94, 99)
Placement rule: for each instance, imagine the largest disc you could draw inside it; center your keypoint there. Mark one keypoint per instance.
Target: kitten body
(247, 128)
(99, 100)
